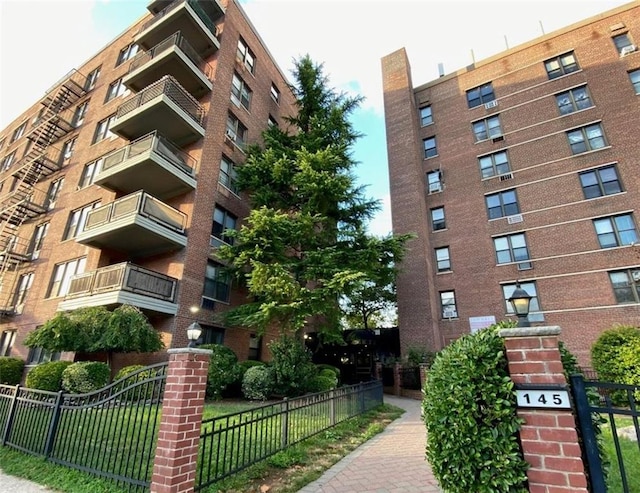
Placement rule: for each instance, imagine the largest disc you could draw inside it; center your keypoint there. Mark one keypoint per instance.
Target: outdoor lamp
(193, 333)
(520, 300)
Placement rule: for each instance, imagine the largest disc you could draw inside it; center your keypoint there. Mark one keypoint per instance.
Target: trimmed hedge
(47, 376)
(85, 376)
(616, 355)
(258, 382)
(11, 370)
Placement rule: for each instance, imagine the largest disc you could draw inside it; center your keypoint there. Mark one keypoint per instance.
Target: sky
(41, 40)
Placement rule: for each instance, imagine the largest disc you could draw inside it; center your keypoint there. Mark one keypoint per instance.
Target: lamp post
(520, 301)
(193, 333)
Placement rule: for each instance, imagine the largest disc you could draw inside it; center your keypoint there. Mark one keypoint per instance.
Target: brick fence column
(549, 437)
(378, 371)
(397, 379)
(174, 467)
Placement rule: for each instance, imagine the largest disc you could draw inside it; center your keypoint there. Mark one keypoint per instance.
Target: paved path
(10, 484)
(391, 462)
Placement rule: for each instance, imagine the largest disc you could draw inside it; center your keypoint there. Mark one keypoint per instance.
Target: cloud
(380, 225)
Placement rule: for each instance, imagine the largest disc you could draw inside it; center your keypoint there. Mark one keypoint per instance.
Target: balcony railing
(202, 15)
(169, 87)
(123, 277)
(23, 203)
(178, 40)
(138, 203)
(149, 142)
(38, 164)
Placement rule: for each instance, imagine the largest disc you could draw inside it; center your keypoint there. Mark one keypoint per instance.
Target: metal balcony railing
(123, 277)
(154, 142)
(169, 87)
(202, 15)
(137, 203)
(176, 39)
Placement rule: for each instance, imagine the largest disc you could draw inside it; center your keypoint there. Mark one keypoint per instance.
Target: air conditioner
(435, 187)
(516, 218)
(230, 134)
(490, 104)
(506, 176)
(627, 50)
(497, 138)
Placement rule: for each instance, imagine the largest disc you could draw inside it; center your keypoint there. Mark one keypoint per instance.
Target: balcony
(150, 163)
(164, 106)
(137, 224)
(22, 204)
(176, 57)
(192, 17)
(120, 284)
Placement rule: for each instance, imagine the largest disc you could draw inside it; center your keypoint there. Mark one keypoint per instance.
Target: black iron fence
(410, 378)
(110, 433)
(234, 442)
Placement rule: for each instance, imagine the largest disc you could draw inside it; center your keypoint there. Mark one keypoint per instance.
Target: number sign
(545, 399)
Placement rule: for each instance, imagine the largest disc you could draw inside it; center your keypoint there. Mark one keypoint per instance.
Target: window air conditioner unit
(627, 50)
(435, 187)
(516, 218)
(490, 104)
(230, 134)
(497, 138)
(506, 176)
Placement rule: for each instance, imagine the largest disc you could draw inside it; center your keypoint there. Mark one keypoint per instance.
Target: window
(61, 278)
(38, 116)
(430, 149)
(443, 260)
(212, 335)
(599, 182)
(37, 240)
(228, 174)
(502, 204)
(535, 314)
(255, 346)
(116, 88)
(480, 95)
(586, 138)
(437, 219)
(561, 65)
(494, 164)
(616, 231)
(38, 355)
(448, 304)
(92, 78)
(236, 131)
(126, 53)
(634, 76)
(24, 284)
(434, 183)
(7, 338)
(626, 285)
(103, 129)
(512, 248)
(573, 100)
(7, 161)
(223, 220)
(54, 192)
(240, 93)
(68, 148)
(18, 132)
(623, 44)
(216, 285)
(246, 56)
(426, 117)
(77, 220)
(275, 93)
(487, 128)
(79, 114)
(271, 121)
(90, 172)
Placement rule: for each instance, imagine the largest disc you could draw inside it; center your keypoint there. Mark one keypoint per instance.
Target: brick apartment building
(116, 187)
(521, 167)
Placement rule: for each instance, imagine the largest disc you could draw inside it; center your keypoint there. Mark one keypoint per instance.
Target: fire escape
(20, 198)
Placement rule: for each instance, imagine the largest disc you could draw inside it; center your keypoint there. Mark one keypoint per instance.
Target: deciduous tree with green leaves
(304, 245)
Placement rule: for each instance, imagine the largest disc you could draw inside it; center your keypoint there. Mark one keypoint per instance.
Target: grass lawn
(631, 459)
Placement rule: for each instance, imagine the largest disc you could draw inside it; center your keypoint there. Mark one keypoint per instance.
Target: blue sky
(348, 36)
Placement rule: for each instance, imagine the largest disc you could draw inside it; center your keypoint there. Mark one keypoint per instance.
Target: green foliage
(289, 457)
(47, 376)
(11, 370)
(223, 369)
(128, 330)
(125, 371)
(616, 357)
(420, 355)
(258, 382)
(63, 332)
(470, 413)
(85, 376)
(322, 367)
(125, 379)
(292, 366)
(323, 382)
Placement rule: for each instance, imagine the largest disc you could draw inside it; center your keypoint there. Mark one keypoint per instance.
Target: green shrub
(606, 357)
(223, 369)
(257, 383)
(334, 369)
(47, 376)
(125, 371)
(419, 355)
(323, 382)
(125, 379)
(470, 413)
(11, 370)
(292, 366)
(85, 376)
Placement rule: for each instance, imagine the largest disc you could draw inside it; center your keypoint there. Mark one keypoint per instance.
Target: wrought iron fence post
(285, 423)
(53, 425)
(332, 407)
(361, 397)
(10, 416)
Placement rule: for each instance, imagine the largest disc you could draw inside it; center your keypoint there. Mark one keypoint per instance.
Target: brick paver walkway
(391, 462)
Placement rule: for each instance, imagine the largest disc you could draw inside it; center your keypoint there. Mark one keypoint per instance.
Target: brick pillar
(397, 378)
(424, 370)
(174, 467)
(378, 371)
(549, 437)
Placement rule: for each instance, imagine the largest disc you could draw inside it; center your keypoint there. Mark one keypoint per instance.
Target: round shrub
(323, 382)
(125, 379)
(470, 412)
(125, 371)
(257, 383)
(10, 370)
(47, 376)
(322, 367)
(610, 354)
(223, 369)
(85, 376)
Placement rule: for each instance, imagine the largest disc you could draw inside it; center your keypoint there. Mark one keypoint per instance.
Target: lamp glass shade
(193, 331)
(520, 300)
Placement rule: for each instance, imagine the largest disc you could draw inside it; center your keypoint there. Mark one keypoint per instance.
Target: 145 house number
(546, 399)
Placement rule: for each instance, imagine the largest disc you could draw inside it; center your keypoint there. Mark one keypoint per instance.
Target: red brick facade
(565, 262)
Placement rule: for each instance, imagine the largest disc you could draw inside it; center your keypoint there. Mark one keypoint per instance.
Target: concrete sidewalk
(10, 484)
(392, 462)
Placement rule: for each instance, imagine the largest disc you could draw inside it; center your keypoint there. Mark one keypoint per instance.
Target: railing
(14, 246)
(154, 142)
(111, 432)
(24, 198)
(176, 39)
(38, 162)
(169, 87)
(234, 442)
(137, 203)
(123, 277)
(206, 20)
(410, 378)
